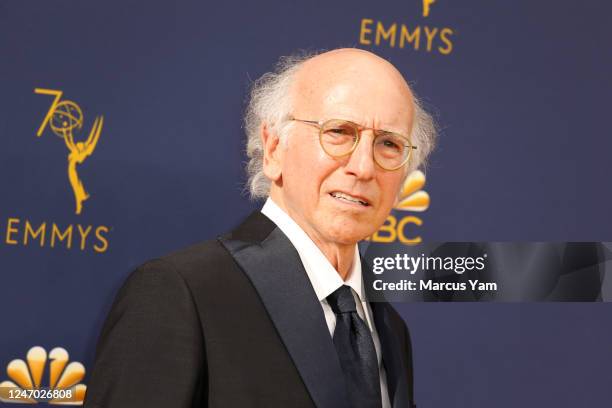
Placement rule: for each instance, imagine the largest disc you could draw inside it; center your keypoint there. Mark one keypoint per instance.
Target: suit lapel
(393, 360)
(398, 385)
(273, 265)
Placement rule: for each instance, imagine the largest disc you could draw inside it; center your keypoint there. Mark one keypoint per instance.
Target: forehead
(368, 91)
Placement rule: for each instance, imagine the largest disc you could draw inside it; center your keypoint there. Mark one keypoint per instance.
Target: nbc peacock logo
(412, 198)
(64, 387)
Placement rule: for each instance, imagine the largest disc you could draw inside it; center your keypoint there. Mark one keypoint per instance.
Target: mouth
(339, 195)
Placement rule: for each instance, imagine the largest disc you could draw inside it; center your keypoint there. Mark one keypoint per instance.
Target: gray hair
(270, 103)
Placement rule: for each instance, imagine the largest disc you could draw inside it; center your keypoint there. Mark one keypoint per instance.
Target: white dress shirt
(325, 280)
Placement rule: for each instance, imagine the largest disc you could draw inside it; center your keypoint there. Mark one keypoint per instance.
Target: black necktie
(356, 351)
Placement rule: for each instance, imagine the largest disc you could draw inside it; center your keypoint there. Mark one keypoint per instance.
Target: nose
(361, 161)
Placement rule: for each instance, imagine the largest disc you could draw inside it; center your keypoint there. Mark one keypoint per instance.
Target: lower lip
(350, 203)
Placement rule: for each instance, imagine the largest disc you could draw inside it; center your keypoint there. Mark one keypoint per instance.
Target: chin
(348, 233)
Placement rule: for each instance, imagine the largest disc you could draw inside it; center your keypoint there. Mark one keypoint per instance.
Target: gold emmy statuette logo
(64, 379)
(412, 198)
(65, 118)
(426, 6)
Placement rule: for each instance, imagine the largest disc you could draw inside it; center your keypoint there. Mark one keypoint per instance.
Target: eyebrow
(379, 130)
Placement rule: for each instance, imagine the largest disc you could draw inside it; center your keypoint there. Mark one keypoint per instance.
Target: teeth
(347, 197)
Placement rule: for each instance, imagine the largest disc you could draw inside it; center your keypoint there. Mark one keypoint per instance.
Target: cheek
(389, 186)
(305, 170)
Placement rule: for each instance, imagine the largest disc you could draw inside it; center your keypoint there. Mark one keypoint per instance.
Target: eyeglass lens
(339, 138)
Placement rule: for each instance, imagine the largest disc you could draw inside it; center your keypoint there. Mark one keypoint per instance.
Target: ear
(273, 154)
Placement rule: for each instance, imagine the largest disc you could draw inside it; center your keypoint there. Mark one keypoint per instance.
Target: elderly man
(274, 314)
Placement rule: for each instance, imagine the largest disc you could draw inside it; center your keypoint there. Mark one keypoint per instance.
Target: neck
(339, 255)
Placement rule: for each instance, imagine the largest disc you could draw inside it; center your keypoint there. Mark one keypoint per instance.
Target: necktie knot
(342, 300)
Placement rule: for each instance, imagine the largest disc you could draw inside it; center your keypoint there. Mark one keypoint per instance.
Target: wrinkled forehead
(366, 90)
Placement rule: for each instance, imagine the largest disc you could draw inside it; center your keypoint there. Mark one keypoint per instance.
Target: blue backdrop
(520, 91)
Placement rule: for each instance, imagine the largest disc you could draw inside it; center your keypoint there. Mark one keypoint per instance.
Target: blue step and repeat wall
(121, 140)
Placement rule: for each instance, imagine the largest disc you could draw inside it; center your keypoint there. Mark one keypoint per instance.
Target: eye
(341, 131)
(391, 144)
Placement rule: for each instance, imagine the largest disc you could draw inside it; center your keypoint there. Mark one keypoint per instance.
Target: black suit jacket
(232, 322)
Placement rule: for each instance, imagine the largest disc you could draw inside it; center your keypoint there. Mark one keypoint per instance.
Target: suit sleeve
(151, 349)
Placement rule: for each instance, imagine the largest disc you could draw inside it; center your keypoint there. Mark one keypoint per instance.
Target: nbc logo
(411, 199)
(64, 386)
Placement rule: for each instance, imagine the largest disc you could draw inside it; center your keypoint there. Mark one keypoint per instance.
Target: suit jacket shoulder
(209, 261)
(137, 350)
(189, 330)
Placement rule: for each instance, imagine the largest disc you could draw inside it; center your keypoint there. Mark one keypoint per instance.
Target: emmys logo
(408, 35)
(411, 199)
(65, 118)
(64, 386)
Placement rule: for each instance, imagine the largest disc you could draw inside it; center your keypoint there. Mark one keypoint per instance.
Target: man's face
(319, 191)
